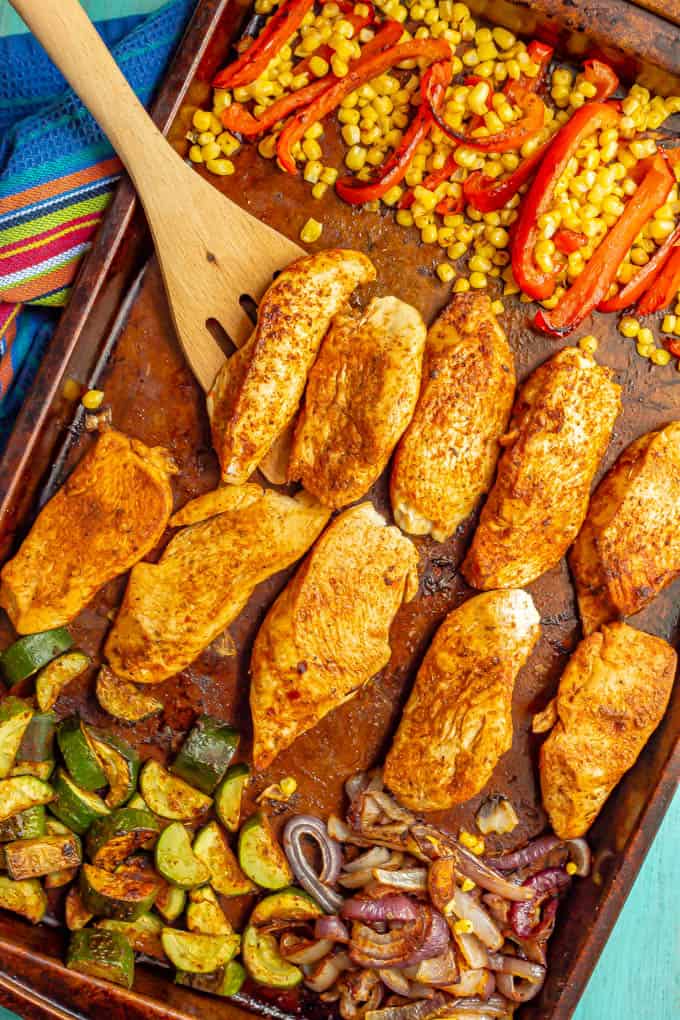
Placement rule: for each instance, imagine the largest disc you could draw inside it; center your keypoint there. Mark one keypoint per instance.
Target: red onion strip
(319, 885)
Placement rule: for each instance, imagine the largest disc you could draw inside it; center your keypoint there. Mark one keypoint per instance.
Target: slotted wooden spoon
(211, 251)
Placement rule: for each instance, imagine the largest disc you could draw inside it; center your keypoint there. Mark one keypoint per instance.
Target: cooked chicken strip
(327, 633)
(110, 512)
(629, 547)
(560, 429)
(446, 459)
(458, 720)
(257, 391)
(173, 609)
(611, 698)
(360, 397)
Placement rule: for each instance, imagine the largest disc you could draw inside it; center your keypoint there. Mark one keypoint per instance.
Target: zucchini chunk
(38, 742)
(175, 860)
(75, 912)
(169, 796)
(288, 905)
(121, 897)
(57, 879)
(170, 902)
(226, 981)
(22, 792)
(113, 838)
(27, 824)
(260, 855)
(123, 700)
(144, 934)
(102, 954)
(264, 963)
(26, 898)
(229, 795)
(15, 715)
(206, 753)
(75, 807)
(53, 678)
(199, 954)
(120, 764)
(204, 913)
(33, 651)
(77, 752)
(226, 877)
(33, 858)
(56, 828)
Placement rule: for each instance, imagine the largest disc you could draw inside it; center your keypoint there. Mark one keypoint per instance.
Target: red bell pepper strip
(541, 55)
(357, 21)
(568, 241)
(488, 194)
(673, 347)
(664, 288)
(433, 86)
(602, 76)
(644, 277)
(590, 288)
(450, 205)
(363, 70)
(513, 136)
(275, 34)
(584, 122)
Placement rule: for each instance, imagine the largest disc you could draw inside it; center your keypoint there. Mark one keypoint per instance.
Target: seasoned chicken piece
(458, 720)
(629, 547)
(360, 397)
(257, 391)
(560, 429)
(111, 511)
(226, 497)
(446, 459)
(611, 698)
(327, 633)
(175, 608)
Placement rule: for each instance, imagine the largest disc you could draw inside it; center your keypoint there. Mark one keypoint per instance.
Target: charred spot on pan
(440, 576)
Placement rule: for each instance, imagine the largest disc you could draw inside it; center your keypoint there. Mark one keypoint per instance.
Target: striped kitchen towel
(57, 175)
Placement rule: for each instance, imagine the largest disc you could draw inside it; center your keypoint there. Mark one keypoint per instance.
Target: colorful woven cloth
(57, 175)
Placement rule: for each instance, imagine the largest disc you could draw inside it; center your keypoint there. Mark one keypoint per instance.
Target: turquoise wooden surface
(638, 976)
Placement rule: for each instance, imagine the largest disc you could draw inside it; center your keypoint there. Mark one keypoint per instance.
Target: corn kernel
(318, 66)
(445, 272)
(669, 323)
(312, 171)
(428, 234)
(340, 66)
(319, 189)
(629, 327)
(645, 336)
(404, 218)
(71, 389)
(267, 147)
(503, 38)
(92, 399)
(660, 356)
(221, 167)
(195, 154)
(478, 280)
(210, 151)
(311, 231)
(588, 344)
(461, 285)
(202, 120)
(571, 868)
(477, 98)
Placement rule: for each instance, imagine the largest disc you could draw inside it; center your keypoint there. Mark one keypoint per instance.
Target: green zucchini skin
(15, 717)
(175, 860)
(226, 877)
(38, 742)
(75, 807)
(121, 897)
(120, 763)
(226, 981)
(264, 963)
(102, 954)
(206, 753)
(21, 792)
(26, 898)
(144, 934)
(112, 838)
(291, 904)
(229, 795)
(170, 902)
(260, 855)
(57, 675)
(33, 858)
(80, 759)
(31, 652)
(28, 824)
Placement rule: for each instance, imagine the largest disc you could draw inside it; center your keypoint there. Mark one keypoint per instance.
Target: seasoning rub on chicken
(458, 720)
(360, 397)
(110, 512)
(257, 391)
(612, 696)
(173, 609)
(629, 547)
(446, 459)
(560, 428)
(327, 633)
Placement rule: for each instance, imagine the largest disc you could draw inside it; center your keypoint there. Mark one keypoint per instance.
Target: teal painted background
(638, 976)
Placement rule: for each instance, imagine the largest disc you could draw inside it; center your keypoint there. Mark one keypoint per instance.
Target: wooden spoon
(211, 251)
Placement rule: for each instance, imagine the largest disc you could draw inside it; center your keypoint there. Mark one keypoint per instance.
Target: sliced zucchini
(26, 825)
(137, 802)
(206, 753)
(121, 897)
(22, 792)
(211, 847)
(77, 752)
(120, 764)
(169, 796)
(102, 954)
(170, 902)
(30, 653)
(204, 913)
(264, 963)
(229, 795)
(38, 742)
(144, 934)
(74, 806)
(57, 879)
(76, 913)
(288, 905)
(113, 838)
(53, 678)
(38, 769)
(175, 860)
(15, 715)
(26, 898)
(139, 866)
(123, 700)
(260, 855)
(56, 828)
(33, 858)
(226, 981)
(199, 954)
